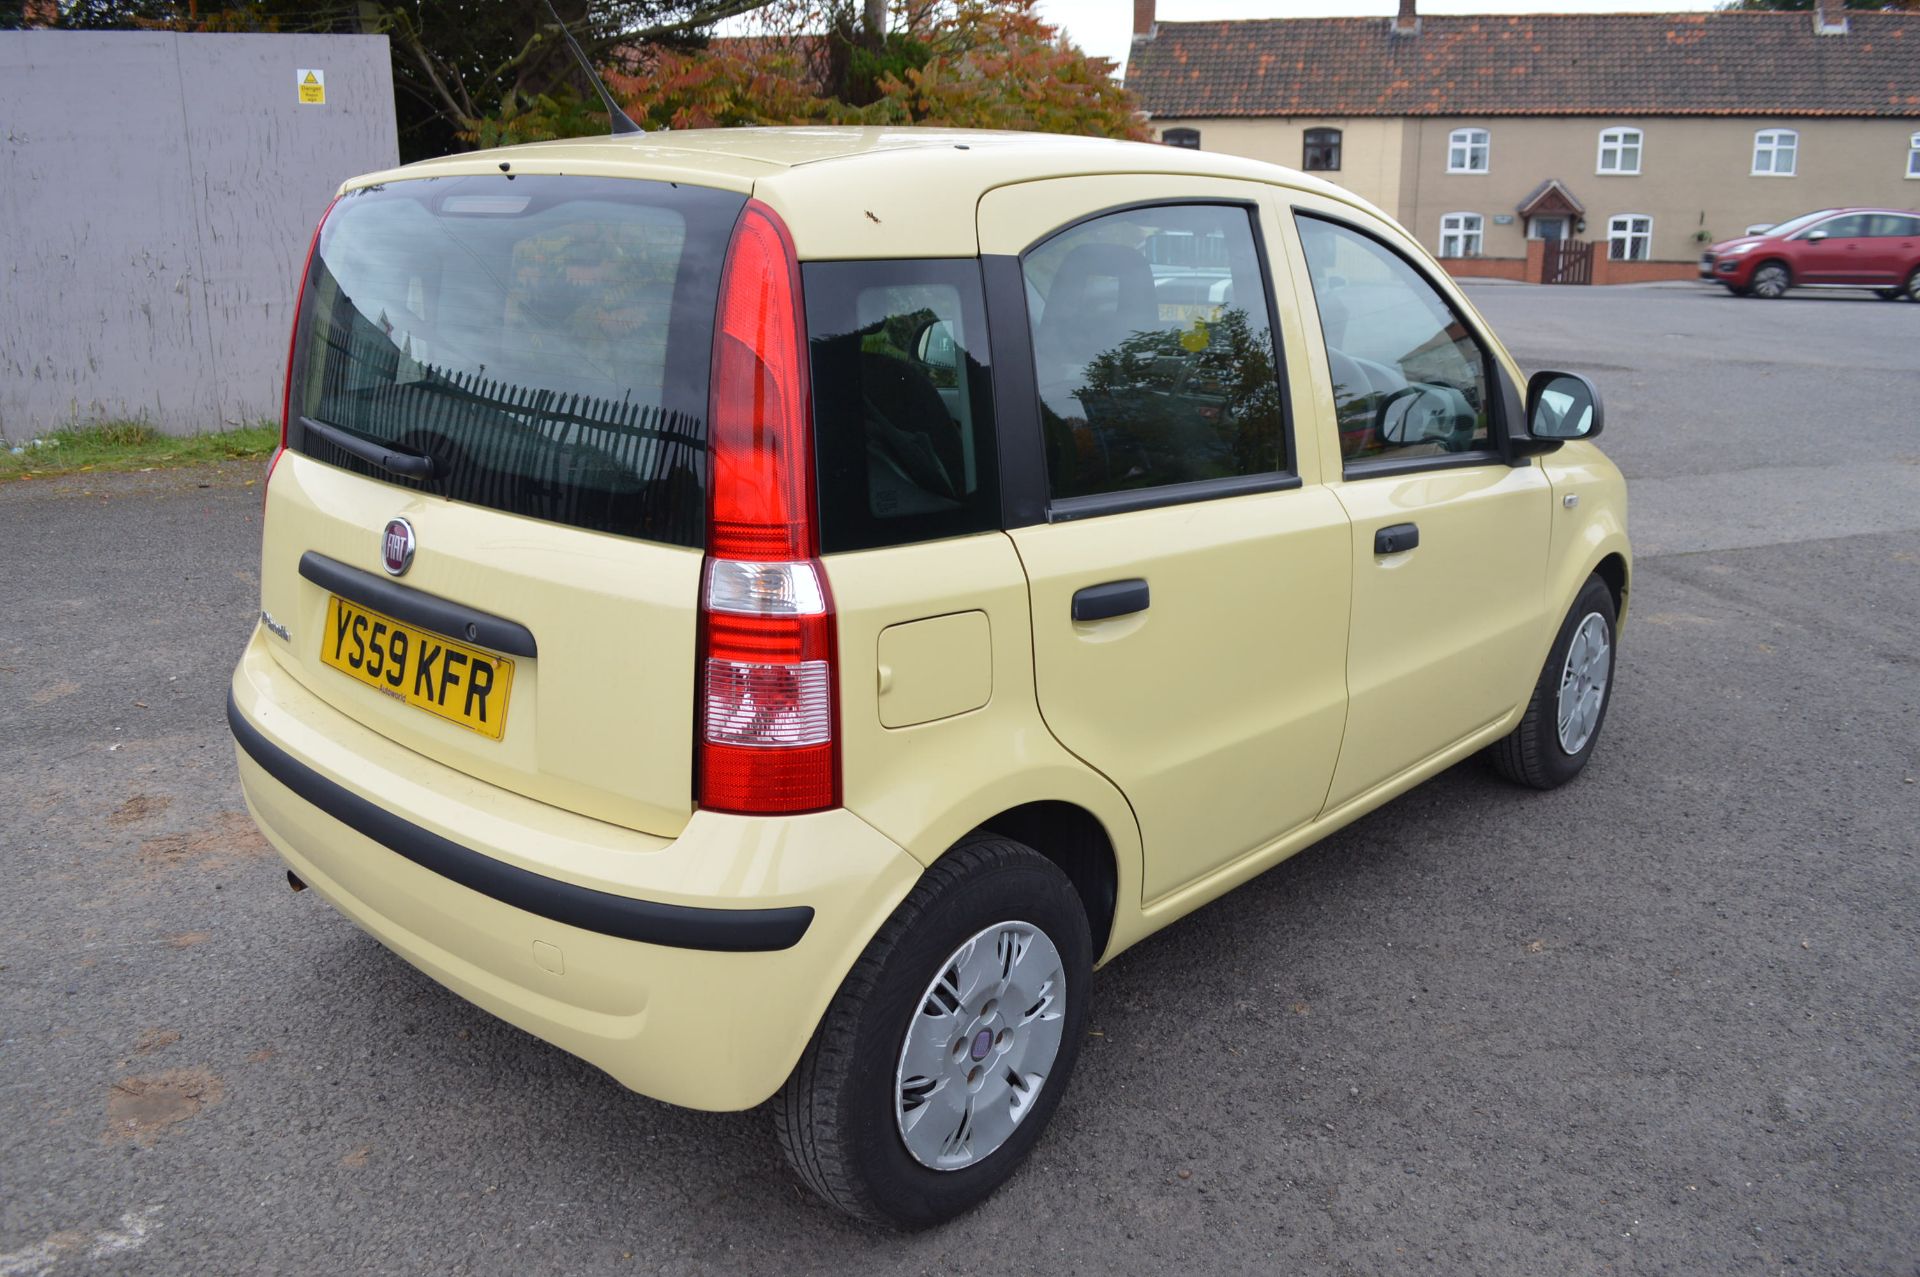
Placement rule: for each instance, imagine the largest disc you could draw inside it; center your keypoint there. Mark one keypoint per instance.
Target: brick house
(1487, 137)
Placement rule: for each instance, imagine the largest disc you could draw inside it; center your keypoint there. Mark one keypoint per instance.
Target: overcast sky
(1105, 27)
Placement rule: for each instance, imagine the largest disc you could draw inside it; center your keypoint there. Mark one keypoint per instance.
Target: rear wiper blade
(394, 460)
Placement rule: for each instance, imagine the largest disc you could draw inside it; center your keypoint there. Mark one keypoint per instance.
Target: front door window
(1549, 228)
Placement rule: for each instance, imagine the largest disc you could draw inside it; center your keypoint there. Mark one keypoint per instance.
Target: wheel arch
(1614, 571)
(1074, 839)
(1771, 259)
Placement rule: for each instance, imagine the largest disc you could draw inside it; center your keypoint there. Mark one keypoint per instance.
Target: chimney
(1407, 22)
(1143, 23)
(1824, 22)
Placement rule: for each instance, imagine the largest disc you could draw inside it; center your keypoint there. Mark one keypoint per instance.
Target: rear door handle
(1397, 539)
(1114, 598)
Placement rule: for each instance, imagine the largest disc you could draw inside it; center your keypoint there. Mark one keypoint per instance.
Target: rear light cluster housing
(293, 339)
(767, 732)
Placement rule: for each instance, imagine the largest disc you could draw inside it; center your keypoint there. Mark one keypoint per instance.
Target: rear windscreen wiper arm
(399, 461)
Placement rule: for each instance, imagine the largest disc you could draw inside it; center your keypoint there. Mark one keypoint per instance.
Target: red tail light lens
(761, 502)
(767, 733)
(293, 340)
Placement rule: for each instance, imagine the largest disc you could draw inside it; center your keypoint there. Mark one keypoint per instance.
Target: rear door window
(545, 340)
(1153, 350)
(902, 401)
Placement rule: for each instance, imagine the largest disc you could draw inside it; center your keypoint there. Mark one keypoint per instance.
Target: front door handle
(1114, 598)
(1397, 539)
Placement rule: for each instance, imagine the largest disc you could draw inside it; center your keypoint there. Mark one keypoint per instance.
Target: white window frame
(1466, 142)
(1771, 143)
(1617, 232)
(1467, 230)
(1913, 157)
(1619, 141)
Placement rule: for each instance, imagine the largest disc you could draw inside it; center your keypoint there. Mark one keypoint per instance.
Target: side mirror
(1814, 237)
(1563, 405)
(934, 345)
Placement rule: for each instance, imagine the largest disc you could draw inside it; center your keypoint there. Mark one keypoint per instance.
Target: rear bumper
(693, 969)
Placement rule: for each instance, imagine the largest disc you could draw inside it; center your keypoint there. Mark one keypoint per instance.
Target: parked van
(769, 611)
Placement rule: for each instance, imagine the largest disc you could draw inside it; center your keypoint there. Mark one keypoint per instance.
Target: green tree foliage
(965, 64)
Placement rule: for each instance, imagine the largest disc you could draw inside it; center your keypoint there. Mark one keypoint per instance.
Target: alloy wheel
(1770, 280)
(1583, 683)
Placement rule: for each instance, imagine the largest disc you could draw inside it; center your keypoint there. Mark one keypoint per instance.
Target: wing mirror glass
(1562, 405)
(935, 346)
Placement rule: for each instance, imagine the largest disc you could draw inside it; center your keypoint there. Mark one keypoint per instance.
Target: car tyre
(845, 1116)
(1913, 285)
(1739, 290)
(1573, 691)
(1771, 280)
(1889, 294)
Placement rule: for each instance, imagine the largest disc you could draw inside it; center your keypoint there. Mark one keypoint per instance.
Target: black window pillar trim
(1016, 393)
(625, 918)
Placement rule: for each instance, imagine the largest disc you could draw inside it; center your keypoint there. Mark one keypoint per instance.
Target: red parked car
(1876, 248)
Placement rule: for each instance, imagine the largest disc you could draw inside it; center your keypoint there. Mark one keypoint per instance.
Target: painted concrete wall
(1371, 160)
(157, 194)
(1695, 174)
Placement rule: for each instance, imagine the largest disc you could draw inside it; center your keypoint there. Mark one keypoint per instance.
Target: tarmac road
(1661, 1021)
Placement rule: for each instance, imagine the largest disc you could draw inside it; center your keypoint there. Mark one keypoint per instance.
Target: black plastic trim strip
(428, 611)
(1016, 396)
(1069, 508)
(1380, 467)
(646, 921)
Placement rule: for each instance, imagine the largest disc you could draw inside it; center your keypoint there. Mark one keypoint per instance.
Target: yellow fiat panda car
(769, 611)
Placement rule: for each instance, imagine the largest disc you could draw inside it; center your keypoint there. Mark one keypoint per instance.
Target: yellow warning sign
(313, 86)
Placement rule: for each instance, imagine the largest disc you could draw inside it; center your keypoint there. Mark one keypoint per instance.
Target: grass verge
(131, 445)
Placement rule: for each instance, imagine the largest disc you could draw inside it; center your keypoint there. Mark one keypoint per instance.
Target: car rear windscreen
(542, 342)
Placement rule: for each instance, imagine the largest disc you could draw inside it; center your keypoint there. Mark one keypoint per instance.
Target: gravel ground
(1661, 1021)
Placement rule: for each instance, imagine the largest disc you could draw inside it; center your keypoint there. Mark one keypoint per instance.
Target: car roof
(861, 192)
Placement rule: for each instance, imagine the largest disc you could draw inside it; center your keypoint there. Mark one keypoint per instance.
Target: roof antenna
(621, 121)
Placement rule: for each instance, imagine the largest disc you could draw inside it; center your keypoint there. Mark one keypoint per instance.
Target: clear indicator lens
(764, 589)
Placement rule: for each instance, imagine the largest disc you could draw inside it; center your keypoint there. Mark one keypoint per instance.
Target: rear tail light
(767, 734)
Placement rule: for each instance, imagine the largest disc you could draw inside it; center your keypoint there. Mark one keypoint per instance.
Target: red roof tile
(1721, 63)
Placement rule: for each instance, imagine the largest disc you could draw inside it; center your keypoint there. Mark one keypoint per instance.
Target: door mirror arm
(1516, 445)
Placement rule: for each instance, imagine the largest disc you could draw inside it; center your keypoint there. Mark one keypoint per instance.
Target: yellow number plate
(461, 684)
